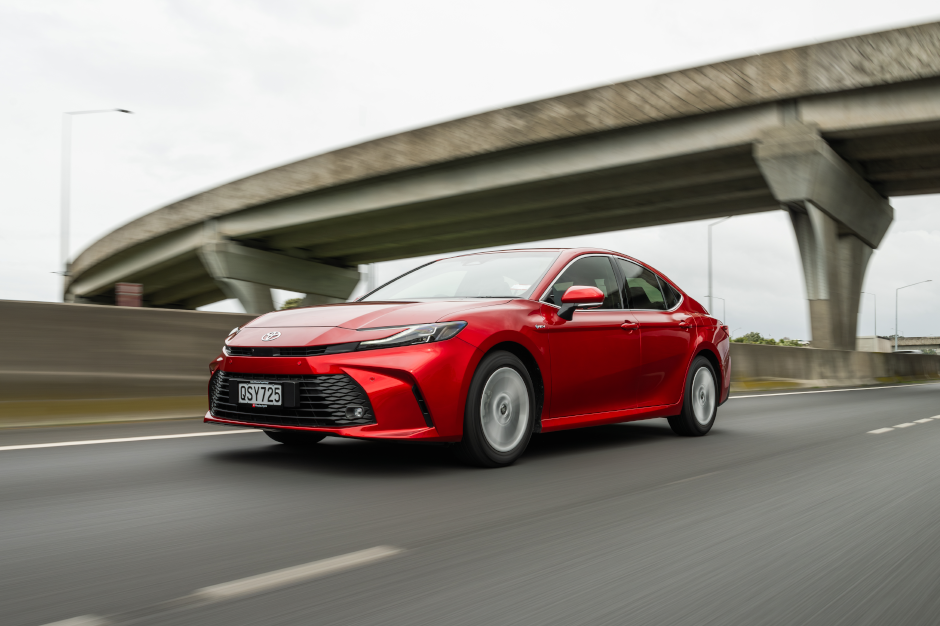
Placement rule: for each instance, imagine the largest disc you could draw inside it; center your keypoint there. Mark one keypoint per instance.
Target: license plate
(260, 394)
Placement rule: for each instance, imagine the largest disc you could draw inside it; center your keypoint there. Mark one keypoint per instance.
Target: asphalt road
(789, 512)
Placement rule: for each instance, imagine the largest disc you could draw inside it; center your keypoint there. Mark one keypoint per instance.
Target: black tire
(699, 405)
(490, 442)
(295, 438)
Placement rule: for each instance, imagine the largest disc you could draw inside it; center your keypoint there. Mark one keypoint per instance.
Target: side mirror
(578, 296)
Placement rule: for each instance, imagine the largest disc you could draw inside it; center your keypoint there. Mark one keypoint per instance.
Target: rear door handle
(629, 326)
(686, 323)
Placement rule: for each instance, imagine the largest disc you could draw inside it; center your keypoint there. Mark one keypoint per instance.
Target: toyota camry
(481, 351)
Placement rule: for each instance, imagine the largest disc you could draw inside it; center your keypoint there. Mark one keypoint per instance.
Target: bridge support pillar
(248, 274)
(838, 219)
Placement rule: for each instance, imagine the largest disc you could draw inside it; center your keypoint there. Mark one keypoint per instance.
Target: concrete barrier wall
(75, 363)
(776, 367)
(62, 363)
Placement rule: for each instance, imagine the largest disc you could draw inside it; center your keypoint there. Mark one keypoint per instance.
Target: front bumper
(395, 381)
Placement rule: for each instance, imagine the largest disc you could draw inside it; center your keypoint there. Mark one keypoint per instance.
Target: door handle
(686, 323)
(628, 326)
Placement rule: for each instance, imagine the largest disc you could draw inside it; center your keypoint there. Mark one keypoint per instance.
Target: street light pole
(724, 309)
(66, 185)
(710, 309)
(896, 330)
(876, 314)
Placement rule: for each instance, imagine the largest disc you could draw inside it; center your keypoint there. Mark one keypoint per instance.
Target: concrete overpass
(826, 132)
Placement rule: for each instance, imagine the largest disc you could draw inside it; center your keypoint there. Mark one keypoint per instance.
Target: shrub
(757, 338)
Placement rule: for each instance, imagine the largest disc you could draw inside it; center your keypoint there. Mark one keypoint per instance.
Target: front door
(595, 356)
(666, 334)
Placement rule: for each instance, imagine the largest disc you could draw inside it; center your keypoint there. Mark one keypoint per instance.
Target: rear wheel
(499, 413)
(701, 401)
(294, 437)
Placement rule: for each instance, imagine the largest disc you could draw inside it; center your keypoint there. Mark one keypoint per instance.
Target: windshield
(493, 275)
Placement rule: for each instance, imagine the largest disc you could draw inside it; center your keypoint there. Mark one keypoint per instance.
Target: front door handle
(628, 326)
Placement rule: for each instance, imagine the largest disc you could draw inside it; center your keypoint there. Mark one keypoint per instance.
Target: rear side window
(641, 288)
(591, 271)
(672, 296)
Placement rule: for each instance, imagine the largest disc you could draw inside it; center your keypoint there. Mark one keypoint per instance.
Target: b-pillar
(838, 219)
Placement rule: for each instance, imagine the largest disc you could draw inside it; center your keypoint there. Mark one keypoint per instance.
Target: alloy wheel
(504, 409)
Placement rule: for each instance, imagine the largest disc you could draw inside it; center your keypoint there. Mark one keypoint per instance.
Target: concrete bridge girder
(248, 274)
(838, 219)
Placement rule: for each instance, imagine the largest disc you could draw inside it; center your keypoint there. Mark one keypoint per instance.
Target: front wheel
(701, 401)
(499, 413)
(295, 438)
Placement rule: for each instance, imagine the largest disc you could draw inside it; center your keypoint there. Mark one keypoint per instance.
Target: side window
(672, 296)
(641, 289)
(591, 271)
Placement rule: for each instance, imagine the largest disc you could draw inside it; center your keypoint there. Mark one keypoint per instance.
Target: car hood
(359, 315)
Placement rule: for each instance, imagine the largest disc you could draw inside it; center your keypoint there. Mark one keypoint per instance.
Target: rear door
(666, 335)
(595, 356)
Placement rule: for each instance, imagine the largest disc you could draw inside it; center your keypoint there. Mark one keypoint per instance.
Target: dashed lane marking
(291, 575)
(245, 586)
(84, 620)
(685, 480)
(91, 442)
(924, 420)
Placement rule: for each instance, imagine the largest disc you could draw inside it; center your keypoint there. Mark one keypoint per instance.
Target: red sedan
(481, 350)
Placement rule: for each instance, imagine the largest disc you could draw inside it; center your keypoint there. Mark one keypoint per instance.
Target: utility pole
(710, 309)
(66, 186)
(897, 331)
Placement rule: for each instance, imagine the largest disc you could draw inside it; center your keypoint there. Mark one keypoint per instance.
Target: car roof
(568, 254)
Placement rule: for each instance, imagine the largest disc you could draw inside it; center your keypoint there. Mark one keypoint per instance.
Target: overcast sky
(223, 89)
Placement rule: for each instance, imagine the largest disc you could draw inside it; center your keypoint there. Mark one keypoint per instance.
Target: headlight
(233, 332)
(412, 335)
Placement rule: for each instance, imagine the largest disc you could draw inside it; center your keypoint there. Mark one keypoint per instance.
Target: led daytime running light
(413, 335)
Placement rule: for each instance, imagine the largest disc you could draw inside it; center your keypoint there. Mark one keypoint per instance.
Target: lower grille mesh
(322, 401)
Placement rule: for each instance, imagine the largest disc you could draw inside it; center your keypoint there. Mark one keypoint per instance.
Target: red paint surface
(601, 367)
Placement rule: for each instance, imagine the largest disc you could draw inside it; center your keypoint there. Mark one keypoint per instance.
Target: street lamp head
(124, 111)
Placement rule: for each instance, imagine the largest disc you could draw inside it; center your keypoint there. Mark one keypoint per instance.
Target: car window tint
(672, 296)
(641, 289)
(591, 271)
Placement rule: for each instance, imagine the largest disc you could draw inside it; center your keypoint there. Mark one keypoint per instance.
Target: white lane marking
(91, 442)
(925, 420)
(879, 431)
(905, 425)
(291, 575)
(935, 417)
(799, 393)
(84, 620)
(685, 480)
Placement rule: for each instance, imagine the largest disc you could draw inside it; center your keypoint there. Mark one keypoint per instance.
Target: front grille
(302, 351)
(321, 401)
(311, 351)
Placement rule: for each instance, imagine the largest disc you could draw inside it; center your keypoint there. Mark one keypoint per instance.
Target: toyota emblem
(271, 336)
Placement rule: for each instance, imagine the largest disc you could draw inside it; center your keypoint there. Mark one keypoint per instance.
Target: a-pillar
(838, 219)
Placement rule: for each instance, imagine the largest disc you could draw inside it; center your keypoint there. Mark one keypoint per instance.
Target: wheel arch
(709, 354)
(535, 373)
